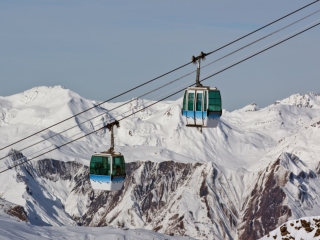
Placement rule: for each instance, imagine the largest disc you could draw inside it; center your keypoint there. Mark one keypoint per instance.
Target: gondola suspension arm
(198, 59)
(110, 126)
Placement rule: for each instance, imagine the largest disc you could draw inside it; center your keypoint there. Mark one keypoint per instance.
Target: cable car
(108, 169)
(202, 107)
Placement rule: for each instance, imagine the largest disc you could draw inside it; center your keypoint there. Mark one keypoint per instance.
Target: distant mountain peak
(308, 100)
(250, 108)
(42, 94)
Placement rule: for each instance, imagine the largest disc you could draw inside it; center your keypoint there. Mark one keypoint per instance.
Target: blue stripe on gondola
(184, 113)
(118, 179)
(213, 115)
(188, 114)
(106, 179)
(201, 115)
(192, 114)
(100, 178)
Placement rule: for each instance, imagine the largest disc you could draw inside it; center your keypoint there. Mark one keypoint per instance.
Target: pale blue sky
(101, 48)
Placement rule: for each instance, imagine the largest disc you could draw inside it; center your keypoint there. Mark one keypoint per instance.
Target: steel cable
(121, 94)
(28, 160)
(279, 19)
(175, 80)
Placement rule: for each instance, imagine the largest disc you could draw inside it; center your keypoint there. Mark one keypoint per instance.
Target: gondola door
(190, 114)
(198, 100)
(100, 174)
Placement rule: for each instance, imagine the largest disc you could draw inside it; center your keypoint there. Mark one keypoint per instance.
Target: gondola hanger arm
(202, 56)
(110, 127)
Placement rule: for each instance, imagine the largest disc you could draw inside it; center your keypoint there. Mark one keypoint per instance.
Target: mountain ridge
(254, 151)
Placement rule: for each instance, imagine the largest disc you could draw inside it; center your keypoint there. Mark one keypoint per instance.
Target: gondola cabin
(107, 171)
(202, 107)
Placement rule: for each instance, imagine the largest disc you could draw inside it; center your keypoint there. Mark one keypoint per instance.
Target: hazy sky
(101, 48)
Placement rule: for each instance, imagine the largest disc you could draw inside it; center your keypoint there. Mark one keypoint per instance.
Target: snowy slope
(243, 135)
(225, 172)
(11, 229)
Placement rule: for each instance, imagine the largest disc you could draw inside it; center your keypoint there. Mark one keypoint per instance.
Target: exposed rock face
(303, 188)
(255, 183)
(13, 210)
(266, 205)
(173, 198)
(191, 199)
(287, 189)
(304, 228)
(55, 170)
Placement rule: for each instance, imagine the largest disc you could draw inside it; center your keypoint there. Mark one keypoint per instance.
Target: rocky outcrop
(192, 199)
(286, 189)
(304, 228)
(172, 198)
(186, 199)
(13, 210)
(266, 206)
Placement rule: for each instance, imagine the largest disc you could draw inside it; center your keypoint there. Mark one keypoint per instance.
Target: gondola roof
(108, 154)
(202, 88)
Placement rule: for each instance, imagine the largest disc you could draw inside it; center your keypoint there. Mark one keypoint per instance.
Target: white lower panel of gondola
(211, 122)
(199, 115)
(100, 182)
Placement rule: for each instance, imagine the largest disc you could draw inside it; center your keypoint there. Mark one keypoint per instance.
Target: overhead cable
(96, 105)
(28, 160)
(159, 76)
(175, 80)
(258, 40)
(279, 19)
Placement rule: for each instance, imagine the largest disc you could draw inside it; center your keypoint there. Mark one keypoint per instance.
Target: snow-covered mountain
(257, 169)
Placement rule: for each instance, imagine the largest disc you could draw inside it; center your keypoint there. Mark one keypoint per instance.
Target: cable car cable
(261, 51)
(264, 26)
(108, 111)
(166, 83)
(268, 35)
(160, 75)
(28, 160)
(96, 105)
(148, 93)
(183, 85)
(227, 68)
(180, 85)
